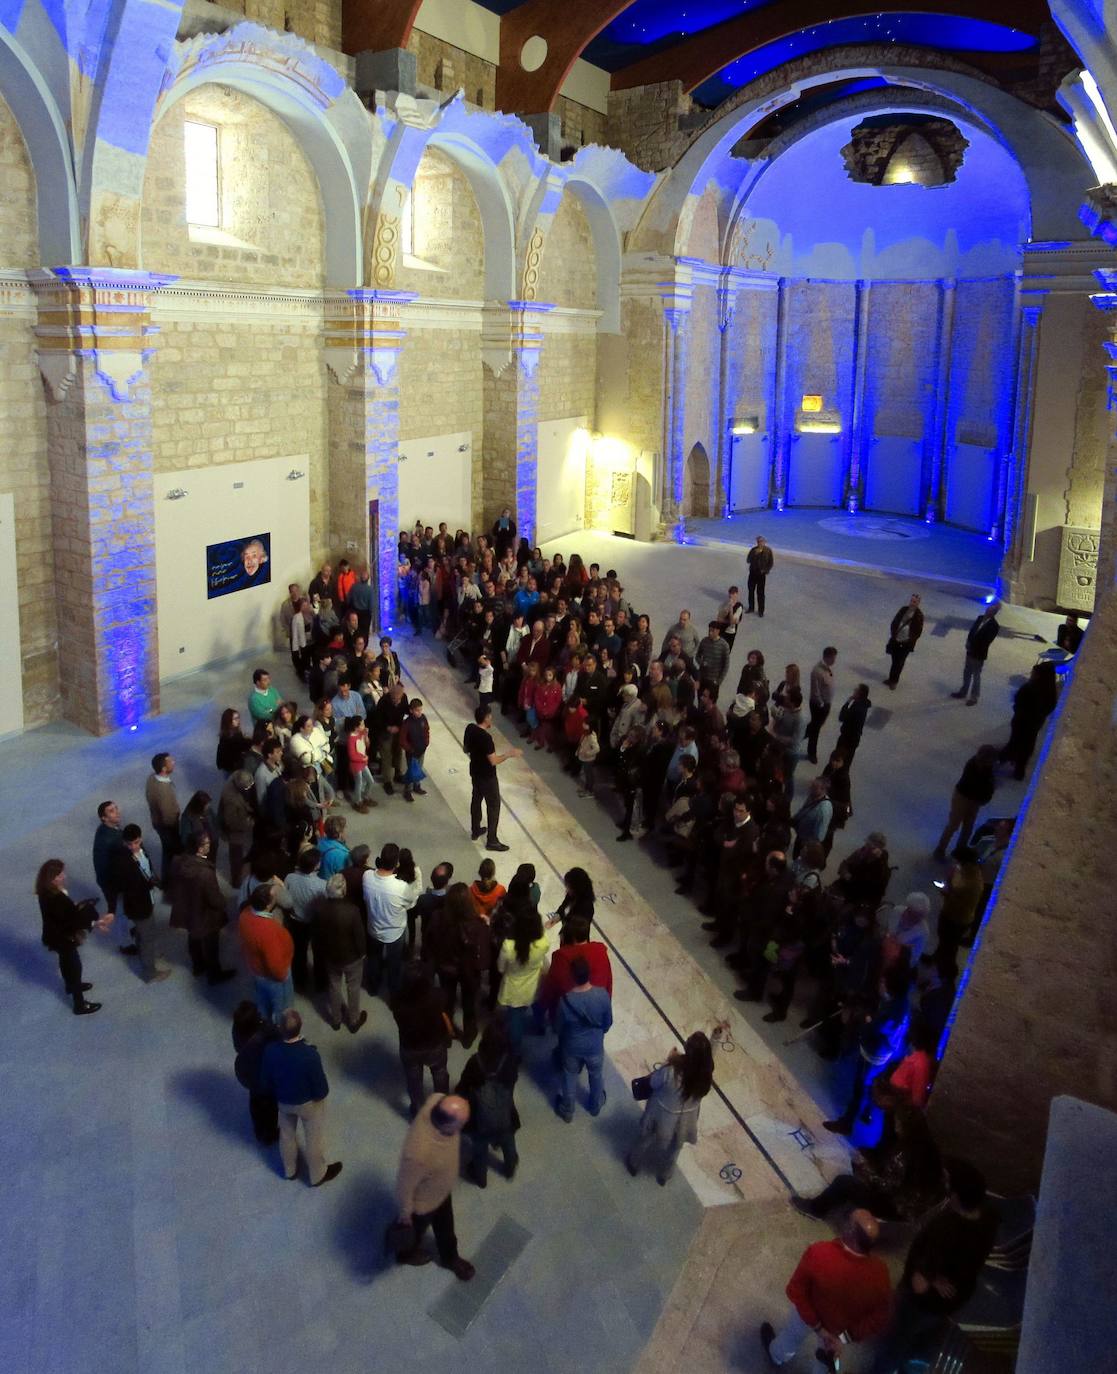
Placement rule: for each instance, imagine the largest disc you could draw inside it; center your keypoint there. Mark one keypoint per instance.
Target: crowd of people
(571, 664)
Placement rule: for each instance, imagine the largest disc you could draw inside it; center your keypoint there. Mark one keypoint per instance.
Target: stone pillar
(511, 349)
(727, 299)
(94, 344)
(1014, 471)
(854, 478)
(935, 461)
(1106, 573)
(778, 422)
(362, 348)
(676, 317)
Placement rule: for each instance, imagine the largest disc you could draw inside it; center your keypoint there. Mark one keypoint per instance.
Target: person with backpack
(488, 1084)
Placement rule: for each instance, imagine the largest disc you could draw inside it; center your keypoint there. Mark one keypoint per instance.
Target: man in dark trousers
(106, 846)
(903, 635)
(760, 562)
(822, 693)
(852, 718)
(134, 879)
(653, 770)
(982, 633)
(483, 763)
(942, 1269)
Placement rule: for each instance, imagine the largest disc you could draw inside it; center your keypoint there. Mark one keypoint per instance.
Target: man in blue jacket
(291, 1071)
(582, 1017)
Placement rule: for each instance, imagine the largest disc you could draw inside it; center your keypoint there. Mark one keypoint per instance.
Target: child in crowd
(586, 754)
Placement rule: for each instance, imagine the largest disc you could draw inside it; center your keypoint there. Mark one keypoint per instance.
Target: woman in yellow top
(523, 961)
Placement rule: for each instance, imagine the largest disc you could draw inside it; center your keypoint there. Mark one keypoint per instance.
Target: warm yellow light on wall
(811, 405)
(610, 453)
(749, 426)
(819, 427)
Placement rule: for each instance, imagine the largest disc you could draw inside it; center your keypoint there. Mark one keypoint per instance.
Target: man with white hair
(908, 926)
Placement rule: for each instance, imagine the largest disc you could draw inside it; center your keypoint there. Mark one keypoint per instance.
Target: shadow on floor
(373, 1063)
(31, 963)
(369, 1207)
(222, 1099)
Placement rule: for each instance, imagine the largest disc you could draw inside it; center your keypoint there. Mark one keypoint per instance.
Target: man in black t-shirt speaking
(483, 761)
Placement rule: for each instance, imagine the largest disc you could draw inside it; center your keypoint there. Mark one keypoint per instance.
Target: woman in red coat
(548, 704)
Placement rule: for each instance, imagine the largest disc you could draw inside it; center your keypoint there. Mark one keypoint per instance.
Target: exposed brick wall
(568, 271)
(580, 124)
(702, 378)
(230, 393)
(819, 357)
(567, 376)
(979, 362)
(448, 233)
(19, 245)
(900, 364)
(318, 21)
(269, 196)
(445, 68)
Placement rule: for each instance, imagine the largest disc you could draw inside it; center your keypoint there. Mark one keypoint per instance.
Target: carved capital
(363, 326)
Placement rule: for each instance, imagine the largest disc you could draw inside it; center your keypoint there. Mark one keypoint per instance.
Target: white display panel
(561, 477)
(814, 475)
(436, 481)
(894, 475)
(229, 501)
(970, 475)
(749, 475)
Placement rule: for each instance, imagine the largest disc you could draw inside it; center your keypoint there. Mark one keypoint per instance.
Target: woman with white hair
(908, 928)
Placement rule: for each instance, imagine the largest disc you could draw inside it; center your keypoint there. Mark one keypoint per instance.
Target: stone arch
(607, 251)
(497, 220)
(44, 135)
(1056, 172)
(272, 230)
(448, 233)
(696, 484)
(325, 117)
(568, 271)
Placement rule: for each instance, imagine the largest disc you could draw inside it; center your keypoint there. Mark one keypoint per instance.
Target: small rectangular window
(203, 181)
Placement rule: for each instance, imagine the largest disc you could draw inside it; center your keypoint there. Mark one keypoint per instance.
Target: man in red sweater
(268, 951)
(840, 1292)
(576, 944)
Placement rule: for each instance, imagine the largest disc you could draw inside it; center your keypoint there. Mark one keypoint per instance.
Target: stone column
(854, 477)
(936, 451)
(676, 317)
(1106, 571)
(727, 301)
(778, 425)
(511, 348)
(1014, 471)
(362, 349)
(94, 344)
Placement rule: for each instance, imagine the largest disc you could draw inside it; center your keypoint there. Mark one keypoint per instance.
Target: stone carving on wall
(281, 54)
(745, 251)
(532, 264)
(620, 492)
(384, 249)
(114, 230)
(1078, 568)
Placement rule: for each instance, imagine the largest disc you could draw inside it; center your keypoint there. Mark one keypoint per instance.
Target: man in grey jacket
(685, 633)
(712, 659)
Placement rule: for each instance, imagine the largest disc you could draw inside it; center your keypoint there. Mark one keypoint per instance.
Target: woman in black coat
(1031, 706)
(578, 900)
(66, 923)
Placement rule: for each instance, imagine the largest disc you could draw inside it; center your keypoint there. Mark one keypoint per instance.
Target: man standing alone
(291, 1072)
(428, 1169)
(822, 693)
(162, 802)
(903, 635)
(760, 560)
(982, 633)
(483, 763)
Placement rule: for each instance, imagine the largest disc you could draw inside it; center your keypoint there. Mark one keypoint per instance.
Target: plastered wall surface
(568, 271)
(447, 237)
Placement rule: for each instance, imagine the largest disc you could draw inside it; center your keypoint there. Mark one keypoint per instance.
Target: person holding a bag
(415, 738)
(903, 635)
(66, 923)
(673, 1093)
(488, 1083)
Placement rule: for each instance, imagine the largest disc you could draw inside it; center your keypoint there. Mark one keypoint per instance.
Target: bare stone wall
(318, 21)
(568, 271)
(446, 68)
(272, 222)
(900, 363)
(982, 335)
(702, 379)
(23, 441)
(226, 392)
(1039, 1016)
(702, 241)
(441, 391)
(819, 333)
(568, 376)
(448, 236)
(580, 124)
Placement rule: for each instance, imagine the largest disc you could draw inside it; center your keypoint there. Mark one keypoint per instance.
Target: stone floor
(145, 1231)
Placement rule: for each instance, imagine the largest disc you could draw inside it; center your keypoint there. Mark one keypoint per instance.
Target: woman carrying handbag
(66, 923)
(674, 1094)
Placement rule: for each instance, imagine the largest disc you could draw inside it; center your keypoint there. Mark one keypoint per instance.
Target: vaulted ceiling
(713, 47)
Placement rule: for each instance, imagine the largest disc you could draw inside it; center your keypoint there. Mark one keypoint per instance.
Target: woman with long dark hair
(521, 964)
(66, 923)
(579, 898)
(459, 944)
(670, 1119)
(232, 742)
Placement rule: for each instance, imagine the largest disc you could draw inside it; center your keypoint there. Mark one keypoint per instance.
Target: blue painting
(238, 564)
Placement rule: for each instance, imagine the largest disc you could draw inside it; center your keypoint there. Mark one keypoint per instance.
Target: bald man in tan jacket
(428, 1169)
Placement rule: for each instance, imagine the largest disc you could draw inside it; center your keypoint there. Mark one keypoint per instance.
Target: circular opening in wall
(533, 54)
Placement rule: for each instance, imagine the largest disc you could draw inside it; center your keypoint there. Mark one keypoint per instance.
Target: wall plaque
(1078, 568)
